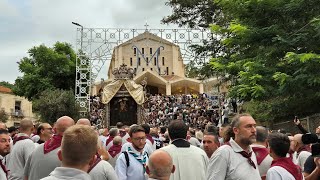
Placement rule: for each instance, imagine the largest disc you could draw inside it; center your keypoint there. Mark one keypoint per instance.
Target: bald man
(115, 150)
(22, 148)
(160, 165)
(302, 151)
(44, 158)
(84, 121)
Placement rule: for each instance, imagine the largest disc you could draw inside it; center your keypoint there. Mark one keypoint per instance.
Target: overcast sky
(28, 23)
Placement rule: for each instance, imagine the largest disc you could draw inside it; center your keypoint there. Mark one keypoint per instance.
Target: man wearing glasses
(131, 164)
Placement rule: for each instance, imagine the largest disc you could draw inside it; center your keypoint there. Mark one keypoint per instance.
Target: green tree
(194, 13)
(3, 116)
(6, 84)
(199, 14)
(191, 70)
(53, 104)
(272, 54)
(46, 68)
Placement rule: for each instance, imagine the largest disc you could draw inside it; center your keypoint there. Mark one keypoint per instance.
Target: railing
(17, 113)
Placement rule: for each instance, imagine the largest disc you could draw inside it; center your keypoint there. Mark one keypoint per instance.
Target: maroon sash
(245, 155)
(109, 140)
(19, 138)
(94, 164)
(4, 168)
(261, 153)
(53, 143)
(288, 165)
(150, 138)
(114, 150)
(303, 148)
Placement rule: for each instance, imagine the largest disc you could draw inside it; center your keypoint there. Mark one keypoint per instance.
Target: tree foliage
(3, 116)
(193, 13)
(273, 55)
(53, 104)
(198, 14)
(268, 49)
(202, 72)
(46, 68)
(6, 84)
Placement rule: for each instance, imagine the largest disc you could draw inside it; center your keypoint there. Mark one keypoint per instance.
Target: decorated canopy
(123, 76)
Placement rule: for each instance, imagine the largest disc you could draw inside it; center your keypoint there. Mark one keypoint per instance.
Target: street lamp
(77, 24)
(79, 98)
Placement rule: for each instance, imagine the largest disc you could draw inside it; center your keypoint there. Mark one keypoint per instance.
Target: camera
(315, 141)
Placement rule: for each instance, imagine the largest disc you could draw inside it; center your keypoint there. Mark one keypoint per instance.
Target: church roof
(147, 35)
(153, 77)
(172, 77)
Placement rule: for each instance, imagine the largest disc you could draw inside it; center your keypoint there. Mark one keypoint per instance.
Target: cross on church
(146, 25)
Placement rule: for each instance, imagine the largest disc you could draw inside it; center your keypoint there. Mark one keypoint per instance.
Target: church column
(168, 88)
(201, 88)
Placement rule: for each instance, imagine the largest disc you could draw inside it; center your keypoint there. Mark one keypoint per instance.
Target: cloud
(25, 24)
(7, 9)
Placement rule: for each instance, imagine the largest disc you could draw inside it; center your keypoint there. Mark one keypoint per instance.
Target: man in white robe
(185, 155)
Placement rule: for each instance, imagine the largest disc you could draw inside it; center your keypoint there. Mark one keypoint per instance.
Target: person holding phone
(298, 124)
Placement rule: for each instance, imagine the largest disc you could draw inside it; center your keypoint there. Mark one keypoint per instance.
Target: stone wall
(310, 123)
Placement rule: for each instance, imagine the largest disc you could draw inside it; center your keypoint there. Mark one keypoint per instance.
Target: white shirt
(40, 165)
(301, 159)
(60, 173)
(153, 146)
(227, 164)
(194, 141)
(103, 170)
(103, 139)
(279, 173)
(18, 157)
(2, 173)
(190, 162)
(112, 160)
(266, 162)
(135, 170)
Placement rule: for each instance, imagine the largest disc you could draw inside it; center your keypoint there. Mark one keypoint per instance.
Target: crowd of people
(183, 140)
(96, 111)
(196, 110)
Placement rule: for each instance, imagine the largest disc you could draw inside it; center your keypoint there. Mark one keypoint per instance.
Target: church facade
(160, 63)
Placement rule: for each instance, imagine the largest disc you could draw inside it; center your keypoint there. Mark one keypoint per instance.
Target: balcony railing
(17, 113)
